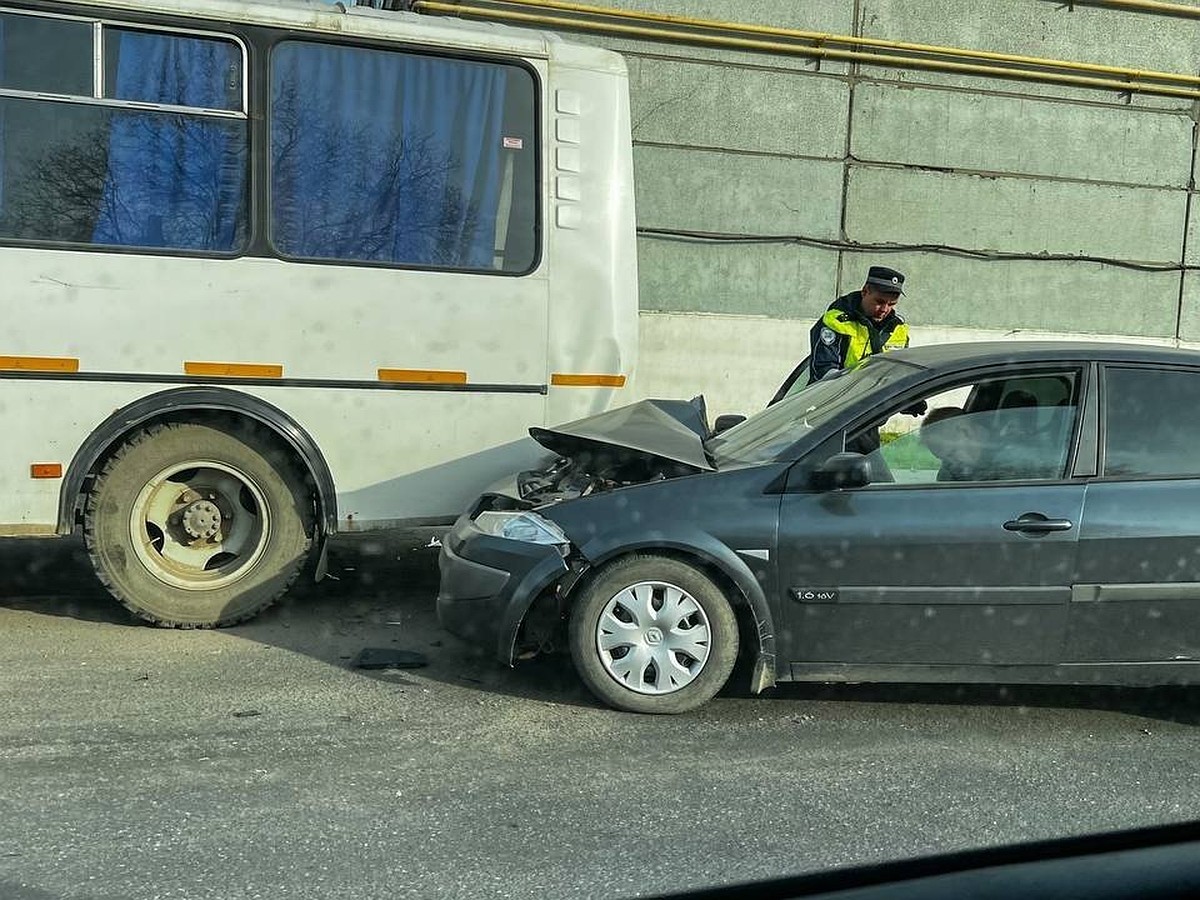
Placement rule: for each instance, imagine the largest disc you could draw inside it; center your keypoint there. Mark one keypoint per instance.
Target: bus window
(152, 67)
(52, 56)
(81, 169)
(398, 158)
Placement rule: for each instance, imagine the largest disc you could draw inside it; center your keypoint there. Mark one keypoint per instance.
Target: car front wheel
(652, 634)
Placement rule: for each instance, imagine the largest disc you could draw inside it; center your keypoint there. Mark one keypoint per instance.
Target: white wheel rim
(653, 638)
(200, 525)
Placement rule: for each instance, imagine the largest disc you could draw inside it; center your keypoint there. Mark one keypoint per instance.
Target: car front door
(1137, 598)
(960, 552)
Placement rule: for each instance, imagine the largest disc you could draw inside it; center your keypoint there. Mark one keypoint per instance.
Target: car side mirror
(842, 470)
(724, 423)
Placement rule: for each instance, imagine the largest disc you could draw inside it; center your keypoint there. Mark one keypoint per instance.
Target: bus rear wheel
(192, 526)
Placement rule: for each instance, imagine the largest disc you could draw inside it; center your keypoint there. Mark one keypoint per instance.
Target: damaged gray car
(956, 513)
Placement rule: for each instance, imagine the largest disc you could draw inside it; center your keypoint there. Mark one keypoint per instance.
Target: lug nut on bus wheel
(202, 519)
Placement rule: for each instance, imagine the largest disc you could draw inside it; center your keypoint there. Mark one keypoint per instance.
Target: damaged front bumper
(489, 582)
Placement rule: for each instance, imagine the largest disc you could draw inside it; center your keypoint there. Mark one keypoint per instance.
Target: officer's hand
(917, 409)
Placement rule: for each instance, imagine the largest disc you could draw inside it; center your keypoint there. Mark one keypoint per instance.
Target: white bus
(273, 271)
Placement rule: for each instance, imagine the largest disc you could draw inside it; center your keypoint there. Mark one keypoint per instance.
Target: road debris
(389, 658)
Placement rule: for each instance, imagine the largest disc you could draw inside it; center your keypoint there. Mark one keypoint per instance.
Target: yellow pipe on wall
(855, 41)
(735, 43)
(1150, 6)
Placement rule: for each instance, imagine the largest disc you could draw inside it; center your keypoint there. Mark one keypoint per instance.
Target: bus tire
(193, 526)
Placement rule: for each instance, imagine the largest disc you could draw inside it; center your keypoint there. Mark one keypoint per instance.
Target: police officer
(859, 324)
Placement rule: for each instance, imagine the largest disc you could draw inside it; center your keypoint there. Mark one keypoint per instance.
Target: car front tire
(652, 634)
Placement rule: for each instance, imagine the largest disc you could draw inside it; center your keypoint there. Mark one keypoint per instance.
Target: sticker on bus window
(513, 143)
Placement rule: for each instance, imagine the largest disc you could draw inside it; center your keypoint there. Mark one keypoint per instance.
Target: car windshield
(766, 437)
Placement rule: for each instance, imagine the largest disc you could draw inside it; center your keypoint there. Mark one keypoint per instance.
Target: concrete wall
(759, 144)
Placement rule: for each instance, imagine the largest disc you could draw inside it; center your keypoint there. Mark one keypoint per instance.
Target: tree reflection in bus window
(404, 159)
(78, 172)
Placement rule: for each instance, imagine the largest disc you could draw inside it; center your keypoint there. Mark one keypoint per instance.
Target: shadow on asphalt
(54, 576)
(1176, 704)
(383, 593)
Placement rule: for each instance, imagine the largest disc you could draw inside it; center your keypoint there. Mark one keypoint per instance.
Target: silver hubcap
(653, 638)
(200, 525)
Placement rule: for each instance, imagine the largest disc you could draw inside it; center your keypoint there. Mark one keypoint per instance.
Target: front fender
(709, 551)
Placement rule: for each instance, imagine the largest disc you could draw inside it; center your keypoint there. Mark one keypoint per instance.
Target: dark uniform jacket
(844, 336)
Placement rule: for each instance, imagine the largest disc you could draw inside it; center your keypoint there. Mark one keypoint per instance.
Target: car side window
(1001, 429)
(1149, 429)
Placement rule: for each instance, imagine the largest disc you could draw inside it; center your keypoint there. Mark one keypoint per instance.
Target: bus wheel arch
(199, 515)
(221, 407)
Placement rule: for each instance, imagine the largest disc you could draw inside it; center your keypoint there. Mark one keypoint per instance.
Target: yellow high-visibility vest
(860, 338)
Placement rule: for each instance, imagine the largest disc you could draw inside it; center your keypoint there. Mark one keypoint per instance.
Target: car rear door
(1137, 596)
(921, 569)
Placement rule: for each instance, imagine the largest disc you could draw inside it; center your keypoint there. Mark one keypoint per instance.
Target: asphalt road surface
(257, 762)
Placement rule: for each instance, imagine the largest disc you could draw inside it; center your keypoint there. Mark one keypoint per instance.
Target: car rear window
(1149, 430)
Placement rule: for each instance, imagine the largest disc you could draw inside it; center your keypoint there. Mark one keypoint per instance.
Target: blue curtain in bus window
(174, 180)
(384, 156)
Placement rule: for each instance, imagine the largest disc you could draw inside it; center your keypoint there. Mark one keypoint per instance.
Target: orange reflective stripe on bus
(234, 370)
(39, 364)
(422, 376)
(560, 379)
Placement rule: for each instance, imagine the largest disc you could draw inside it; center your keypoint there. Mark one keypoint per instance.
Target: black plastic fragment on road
(389, 658)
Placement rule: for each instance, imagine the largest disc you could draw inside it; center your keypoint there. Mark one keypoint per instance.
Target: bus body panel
(128, 313)
(484, 354)
(357, 432)
(593, 318)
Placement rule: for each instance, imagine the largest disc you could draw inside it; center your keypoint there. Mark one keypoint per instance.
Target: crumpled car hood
(671, 430)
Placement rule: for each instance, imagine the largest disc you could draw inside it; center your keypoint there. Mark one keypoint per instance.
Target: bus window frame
(292, 35)
(257, 44)
(99, 24)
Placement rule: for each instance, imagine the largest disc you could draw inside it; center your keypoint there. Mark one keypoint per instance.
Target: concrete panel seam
(1184, 109)
(852, 71)
(686, 236)
(730, 64)
(866, 78)
(861, 77)
(861, 163)
(1187, 222)
(1184, 106)
(737, 151)
(1179, 10)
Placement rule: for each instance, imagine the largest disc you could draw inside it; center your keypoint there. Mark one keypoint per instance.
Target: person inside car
(958, 441)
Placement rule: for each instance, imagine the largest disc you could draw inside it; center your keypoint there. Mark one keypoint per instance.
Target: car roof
(982, 353)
